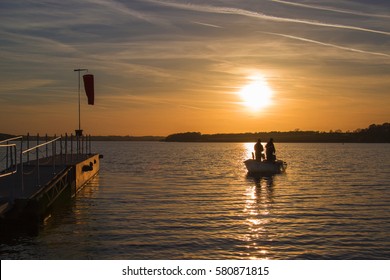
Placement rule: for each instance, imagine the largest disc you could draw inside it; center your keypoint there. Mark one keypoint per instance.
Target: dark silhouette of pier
(33, 178)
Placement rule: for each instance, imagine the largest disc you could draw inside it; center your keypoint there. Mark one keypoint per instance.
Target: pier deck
(30, 188)
(33, 180)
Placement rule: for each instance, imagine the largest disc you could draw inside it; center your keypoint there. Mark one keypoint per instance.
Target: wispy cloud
(331, 9)
(329, 45)
(40, 42)
(52, 14)
(259, 15)
(207, 24)
(120, 8)
(25, 84)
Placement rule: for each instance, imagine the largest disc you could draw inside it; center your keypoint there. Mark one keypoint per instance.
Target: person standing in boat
(270, 150)
(259, 149)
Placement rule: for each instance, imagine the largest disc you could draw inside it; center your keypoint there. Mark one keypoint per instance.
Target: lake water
(156, 200)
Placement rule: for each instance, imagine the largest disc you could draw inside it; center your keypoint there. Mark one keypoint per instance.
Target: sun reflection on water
(248, 150)
(258, 209)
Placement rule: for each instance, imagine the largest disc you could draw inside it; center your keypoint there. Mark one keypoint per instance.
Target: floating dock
(33, 180)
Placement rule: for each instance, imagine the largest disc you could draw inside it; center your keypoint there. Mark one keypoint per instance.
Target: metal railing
(10, 165)
(36, 149)
(64, 151)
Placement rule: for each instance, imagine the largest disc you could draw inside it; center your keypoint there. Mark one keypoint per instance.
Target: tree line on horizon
(373, 134)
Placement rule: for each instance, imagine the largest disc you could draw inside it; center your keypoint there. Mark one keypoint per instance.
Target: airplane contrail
(207, 24)
(327, 44)
(247, 13)
(336, 10)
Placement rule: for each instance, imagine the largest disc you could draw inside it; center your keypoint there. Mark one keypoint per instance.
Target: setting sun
(257, 94)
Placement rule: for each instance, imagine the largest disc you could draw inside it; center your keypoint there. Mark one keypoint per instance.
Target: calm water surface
(155, 200)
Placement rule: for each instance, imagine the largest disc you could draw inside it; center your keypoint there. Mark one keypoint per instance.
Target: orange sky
(163, 67)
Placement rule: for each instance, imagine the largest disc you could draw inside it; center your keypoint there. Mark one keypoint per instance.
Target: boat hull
(254, 166)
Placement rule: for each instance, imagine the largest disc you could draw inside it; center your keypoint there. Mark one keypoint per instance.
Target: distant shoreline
(372, 134)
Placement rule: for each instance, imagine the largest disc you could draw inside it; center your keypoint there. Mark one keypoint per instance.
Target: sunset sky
(167, 66)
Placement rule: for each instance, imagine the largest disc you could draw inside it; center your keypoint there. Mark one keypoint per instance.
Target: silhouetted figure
(259, 149)
(270, 150)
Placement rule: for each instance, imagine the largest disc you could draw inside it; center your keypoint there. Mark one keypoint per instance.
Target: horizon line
(215, 133)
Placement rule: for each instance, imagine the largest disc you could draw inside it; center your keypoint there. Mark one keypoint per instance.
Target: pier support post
(37, 154)
(71, 147)
(28, 147)
(47, 148)
(21, 171)
(54, 153)
(66, 148)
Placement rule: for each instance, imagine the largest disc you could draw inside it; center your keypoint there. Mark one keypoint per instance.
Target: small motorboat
(266, 167)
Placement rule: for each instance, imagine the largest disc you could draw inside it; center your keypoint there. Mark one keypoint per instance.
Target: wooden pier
(32, 180)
